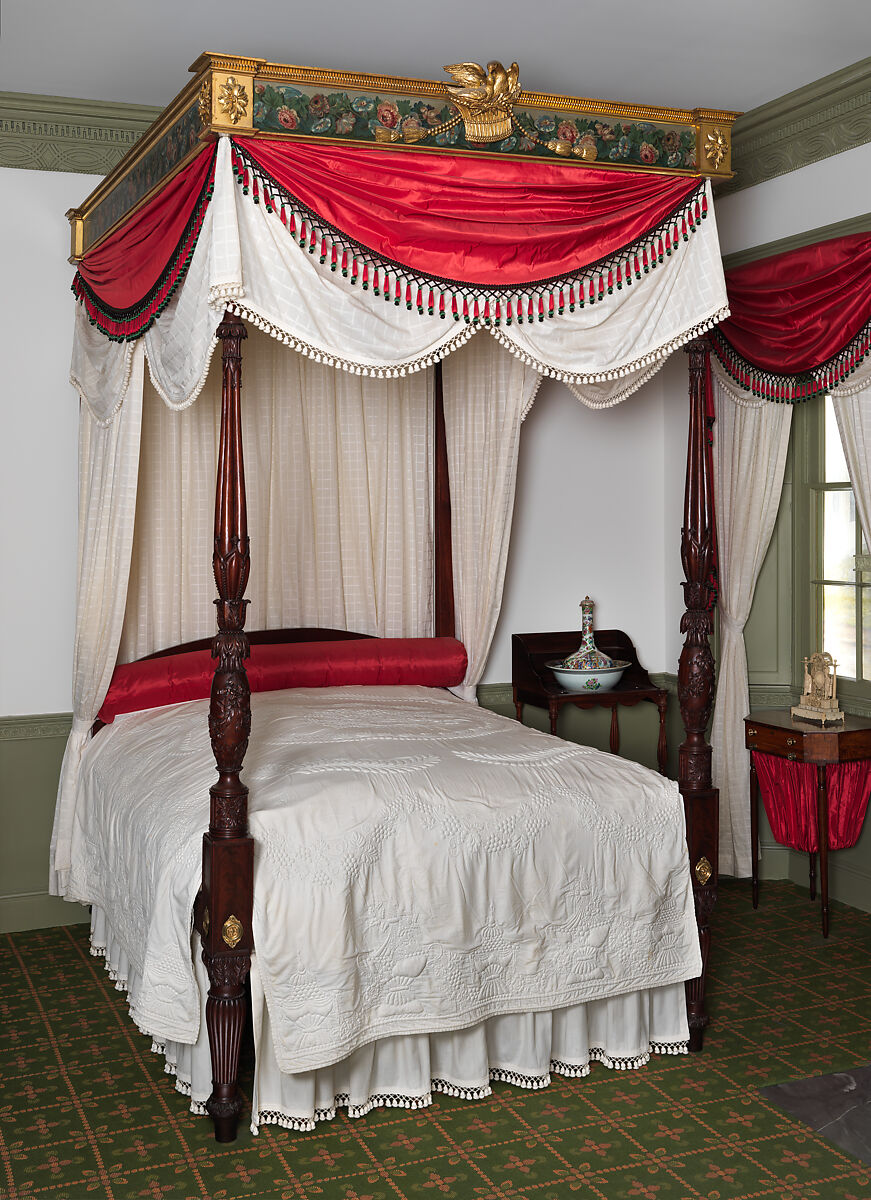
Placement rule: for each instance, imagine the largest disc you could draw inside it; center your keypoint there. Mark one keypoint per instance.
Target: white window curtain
(338, 481)
(750, 444)
(108, 474)
(487, 393)
(852, 405)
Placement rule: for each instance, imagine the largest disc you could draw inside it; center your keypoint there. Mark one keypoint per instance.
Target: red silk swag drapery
(474, 238)
(801, 321)
(126, 282)
(789, 793)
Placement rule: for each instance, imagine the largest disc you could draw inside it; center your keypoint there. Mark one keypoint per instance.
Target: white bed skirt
(525, 1049)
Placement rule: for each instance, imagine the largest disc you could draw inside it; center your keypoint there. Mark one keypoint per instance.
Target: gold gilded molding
(704, 871)
(204, 106)
(231, 931)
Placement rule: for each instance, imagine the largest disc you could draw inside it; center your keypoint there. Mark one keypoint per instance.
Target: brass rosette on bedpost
(224, 906)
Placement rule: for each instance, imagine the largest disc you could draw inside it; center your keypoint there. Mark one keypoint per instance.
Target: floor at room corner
(87, 1111)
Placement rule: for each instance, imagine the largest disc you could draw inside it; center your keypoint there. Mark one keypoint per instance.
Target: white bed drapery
(245, 260)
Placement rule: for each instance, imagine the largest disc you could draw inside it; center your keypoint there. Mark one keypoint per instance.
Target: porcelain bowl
(574, 679)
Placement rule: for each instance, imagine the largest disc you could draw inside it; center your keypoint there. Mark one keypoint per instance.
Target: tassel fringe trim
(316, 354)
(491, 305)
(127, 324)
(654, 359)
(497, 1075)
(793, 389)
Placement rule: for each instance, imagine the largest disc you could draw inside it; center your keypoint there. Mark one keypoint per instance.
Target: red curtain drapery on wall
(127, 281)
(489, 226)
(800, 321)
(789, 793)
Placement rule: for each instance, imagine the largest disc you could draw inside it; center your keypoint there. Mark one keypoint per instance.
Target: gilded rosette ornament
(233, 99)
(484, 98)
(716, 146)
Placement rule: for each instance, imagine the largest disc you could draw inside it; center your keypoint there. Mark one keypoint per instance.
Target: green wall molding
(818, 120)
(16, 729)
(60, 133)
(859, 224)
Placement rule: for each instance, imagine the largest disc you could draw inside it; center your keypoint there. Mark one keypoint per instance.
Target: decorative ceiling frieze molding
(814, 122)
(61, 133)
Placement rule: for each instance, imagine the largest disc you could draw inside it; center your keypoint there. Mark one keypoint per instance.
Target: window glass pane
(839, 627)
(839, 535)
(836, 464)
(866, 633)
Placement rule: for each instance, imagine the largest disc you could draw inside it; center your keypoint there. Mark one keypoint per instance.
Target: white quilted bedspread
(421, 864)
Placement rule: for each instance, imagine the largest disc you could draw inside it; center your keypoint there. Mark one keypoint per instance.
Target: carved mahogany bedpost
(695, 684)
(442, 548)
(224, 905)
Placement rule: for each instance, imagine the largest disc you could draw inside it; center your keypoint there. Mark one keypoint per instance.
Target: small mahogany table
(534, 684)
(774, 731)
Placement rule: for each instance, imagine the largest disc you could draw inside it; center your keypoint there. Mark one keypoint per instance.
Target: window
(839, 614)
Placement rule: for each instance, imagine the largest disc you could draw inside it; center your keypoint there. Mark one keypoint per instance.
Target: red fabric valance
(789, 793)
(468, 220)
(800, 321)
(126, 282)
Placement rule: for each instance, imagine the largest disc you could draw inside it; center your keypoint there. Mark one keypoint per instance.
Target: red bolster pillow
(154, 682)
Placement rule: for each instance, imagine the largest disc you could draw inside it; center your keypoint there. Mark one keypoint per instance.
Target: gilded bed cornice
(61, 133)
(812, 123)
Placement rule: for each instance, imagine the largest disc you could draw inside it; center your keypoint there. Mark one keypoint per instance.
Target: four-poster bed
(384, 263)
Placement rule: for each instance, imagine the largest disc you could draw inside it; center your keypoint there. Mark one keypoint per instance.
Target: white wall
(820, 194)
(587, 521)
(38, 489)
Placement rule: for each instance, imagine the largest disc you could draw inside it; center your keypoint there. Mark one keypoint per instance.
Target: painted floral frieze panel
(373, 117)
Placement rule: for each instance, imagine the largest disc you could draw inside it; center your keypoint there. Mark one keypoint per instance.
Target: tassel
(291, 229)
(466, 309)
(498, 320)
(354, 271)
(704, 205)
(454, 312)
(397, 295)
(313, 241)
(345, 263)
(541, 308)
(431, 305)
(256, 192)
(683, 229)
(333, 258)
(442, 305)
(508, 311)
(408, 296)
(419, 300)
(365, 277)
(486, 312)
(610, 283)
(530, 312)
(550, 305)
(323, 254)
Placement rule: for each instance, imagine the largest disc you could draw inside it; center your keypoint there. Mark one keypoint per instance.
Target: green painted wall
(31, 750)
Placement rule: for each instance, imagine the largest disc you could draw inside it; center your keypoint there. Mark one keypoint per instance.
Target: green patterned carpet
(86, 1111)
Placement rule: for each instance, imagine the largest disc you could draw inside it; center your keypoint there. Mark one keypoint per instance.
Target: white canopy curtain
(751, 438)
(244, 259)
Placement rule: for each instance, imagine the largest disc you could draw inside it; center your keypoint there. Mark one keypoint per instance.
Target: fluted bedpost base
(225, 1020)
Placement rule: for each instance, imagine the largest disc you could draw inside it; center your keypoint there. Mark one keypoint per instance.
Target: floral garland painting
(366, 117)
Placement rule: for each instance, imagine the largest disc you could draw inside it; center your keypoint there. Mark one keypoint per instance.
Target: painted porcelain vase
(588, 669)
